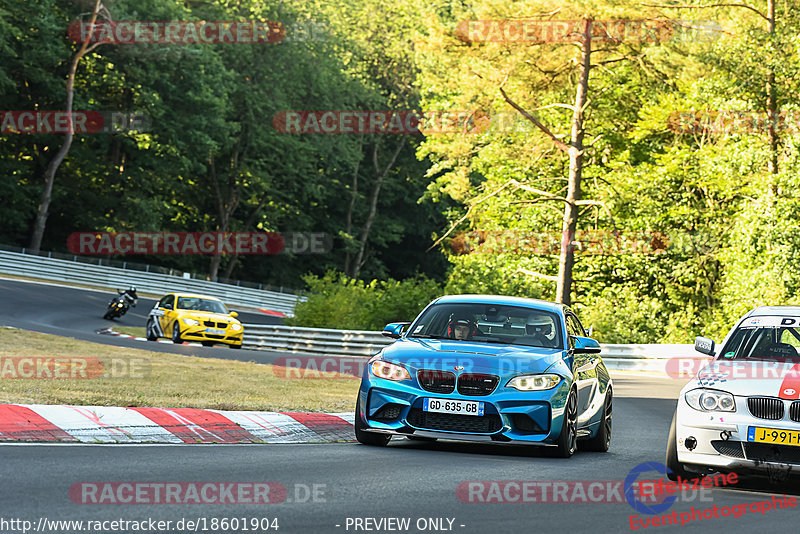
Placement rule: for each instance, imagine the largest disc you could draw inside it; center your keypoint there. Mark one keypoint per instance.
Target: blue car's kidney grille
(765, 407)
(454, 423)
(477, 384)
(436, 381)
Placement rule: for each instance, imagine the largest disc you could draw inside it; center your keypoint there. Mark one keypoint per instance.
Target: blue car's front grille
(436, 381)
(454, 423)
(477, 384)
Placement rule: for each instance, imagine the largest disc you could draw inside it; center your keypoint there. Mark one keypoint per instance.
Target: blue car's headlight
(389, 371)
(709, 400)
(534, 382)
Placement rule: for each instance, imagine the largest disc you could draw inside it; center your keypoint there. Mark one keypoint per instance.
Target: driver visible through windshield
(490, 323)
(763, 343)
(201, 305)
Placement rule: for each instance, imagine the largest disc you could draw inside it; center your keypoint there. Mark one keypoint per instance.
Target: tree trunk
(248, 225)
(373, 203)
(50, 172)
(225, 209)
(566, 259)
(772, 106)
(348, 225)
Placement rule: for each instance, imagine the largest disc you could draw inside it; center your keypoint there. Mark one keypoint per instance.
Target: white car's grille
(794, 411)
(766, 407)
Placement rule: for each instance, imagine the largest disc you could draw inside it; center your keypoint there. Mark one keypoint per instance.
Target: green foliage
(335, 301)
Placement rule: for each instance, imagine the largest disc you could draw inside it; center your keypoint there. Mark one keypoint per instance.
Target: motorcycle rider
(127, 298)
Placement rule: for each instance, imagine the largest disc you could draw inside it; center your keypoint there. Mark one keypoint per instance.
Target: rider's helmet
(539, 325)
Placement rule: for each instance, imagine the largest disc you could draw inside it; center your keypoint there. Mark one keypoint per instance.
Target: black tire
(109, 315)
(367, 438)
(675, 469)
(207, 343)
(568, 438)
(602, 440)
(176, 333)
(150, 329)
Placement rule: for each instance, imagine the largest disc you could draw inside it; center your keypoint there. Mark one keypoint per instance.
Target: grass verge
(134, 377)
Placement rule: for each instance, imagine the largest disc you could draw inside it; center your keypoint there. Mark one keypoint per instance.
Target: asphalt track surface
(78, 313)
(404, 480)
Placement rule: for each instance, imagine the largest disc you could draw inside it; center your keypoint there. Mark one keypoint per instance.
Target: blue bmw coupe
(487, 368)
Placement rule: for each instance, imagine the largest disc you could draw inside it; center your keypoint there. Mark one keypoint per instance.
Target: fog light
(690, 443)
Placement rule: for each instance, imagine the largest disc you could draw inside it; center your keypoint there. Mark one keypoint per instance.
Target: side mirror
(585, 345)
(234, 314)
(704, 345)
(167, 306)
(394, 330)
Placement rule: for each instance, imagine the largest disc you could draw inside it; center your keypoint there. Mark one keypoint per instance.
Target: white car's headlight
(389, 371)
(534, 382)
(710, 400)
(236, 327)
(191, 322)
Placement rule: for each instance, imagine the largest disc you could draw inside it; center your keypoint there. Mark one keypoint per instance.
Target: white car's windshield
(490, 323)
(763, 343)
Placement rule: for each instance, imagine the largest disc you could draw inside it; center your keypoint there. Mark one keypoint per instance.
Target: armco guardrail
(317, 341)
(115, 278)
(324, 341)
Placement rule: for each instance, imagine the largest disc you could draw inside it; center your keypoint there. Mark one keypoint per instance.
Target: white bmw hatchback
(741, 412)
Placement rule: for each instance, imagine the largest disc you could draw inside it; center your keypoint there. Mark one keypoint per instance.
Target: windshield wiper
(431, 336)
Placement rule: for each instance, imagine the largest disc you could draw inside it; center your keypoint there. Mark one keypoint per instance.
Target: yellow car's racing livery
(188, 317)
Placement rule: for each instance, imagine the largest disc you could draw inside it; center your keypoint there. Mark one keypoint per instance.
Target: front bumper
(510, 416)
(199, 333)
(721, 440)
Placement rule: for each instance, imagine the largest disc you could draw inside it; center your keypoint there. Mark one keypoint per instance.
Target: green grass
(142, 378)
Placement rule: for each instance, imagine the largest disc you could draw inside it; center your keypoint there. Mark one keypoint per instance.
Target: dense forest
(637, 160)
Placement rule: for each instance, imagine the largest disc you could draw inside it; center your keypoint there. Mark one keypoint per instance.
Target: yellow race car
(188, 317)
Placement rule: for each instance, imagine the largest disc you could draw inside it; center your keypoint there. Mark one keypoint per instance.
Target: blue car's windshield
(490, 323)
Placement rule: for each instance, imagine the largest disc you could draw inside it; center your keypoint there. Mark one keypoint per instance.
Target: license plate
(215, 331)
(452, 406)
(773, 435)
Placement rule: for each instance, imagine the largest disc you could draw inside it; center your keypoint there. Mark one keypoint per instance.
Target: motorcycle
(119, 305)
